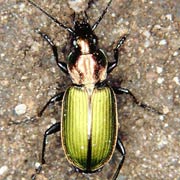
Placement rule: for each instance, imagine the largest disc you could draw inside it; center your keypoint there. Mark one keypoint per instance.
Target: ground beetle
(89, 122)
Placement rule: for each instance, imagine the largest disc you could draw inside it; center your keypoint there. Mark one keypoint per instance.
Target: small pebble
(176, 80)
(78, 5)
(20, 109)
(137, 153)
(2, 55)
(175, 53)
(165, 109)
(169, 17)
(3, 170)
(163, 42)
(160, 80)
(147, 34)
(166, 125)
(162, 141)
(147, 44)
(21, 6)
(37, 165)
(161, 117)
(113, 15)
(157, 27)
(159, 69)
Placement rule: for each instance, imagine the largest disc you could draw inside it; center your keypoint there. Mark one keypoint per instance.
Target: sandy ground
(149, 66)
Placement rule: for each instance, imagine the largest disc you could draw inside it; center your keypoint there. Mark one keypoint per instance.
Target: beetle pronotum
(89, 122)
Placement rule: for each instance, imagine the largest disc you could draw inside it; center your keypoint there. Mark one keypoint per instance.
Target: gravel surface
(149, 65)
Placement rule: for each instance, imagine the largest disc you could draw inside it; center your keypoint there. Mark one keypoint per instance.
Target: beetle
(89, 122)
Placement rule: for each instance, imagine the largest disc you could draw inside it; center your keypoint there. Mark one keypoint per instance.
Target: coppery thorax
(86, 70)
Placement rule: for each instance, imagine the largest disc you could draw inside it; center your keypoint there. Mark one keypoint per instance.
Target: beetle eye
(94, 41)
(75, 44)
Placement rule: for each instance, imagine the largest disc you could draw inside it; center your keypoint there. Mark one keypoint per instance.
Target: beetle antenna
(70, 30)
(85, 16)
(101, 17)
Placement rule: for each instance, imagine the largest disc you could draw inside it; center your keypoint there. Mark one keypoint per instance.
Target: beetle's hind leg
(121, 149)
(145, 106)
(62, 65)
(56, 98)
(53, 129)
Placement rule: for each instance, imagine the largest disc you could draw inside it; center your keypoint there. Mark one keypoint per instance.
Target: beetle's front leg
(121, 149)
(112, 65)
(145, 106)
(62, 65)
(57, 98)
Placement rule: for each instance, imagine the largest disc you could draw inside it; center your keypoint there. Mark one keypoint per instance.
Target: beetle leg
(53, 129)
(145, 106)
(56, 98)
(121, 149)
(61, 65)
(112, 65)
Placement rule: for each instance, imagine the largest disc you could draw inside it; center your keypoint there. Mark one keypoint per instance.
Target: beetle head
(84, 39)
(83, 33)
